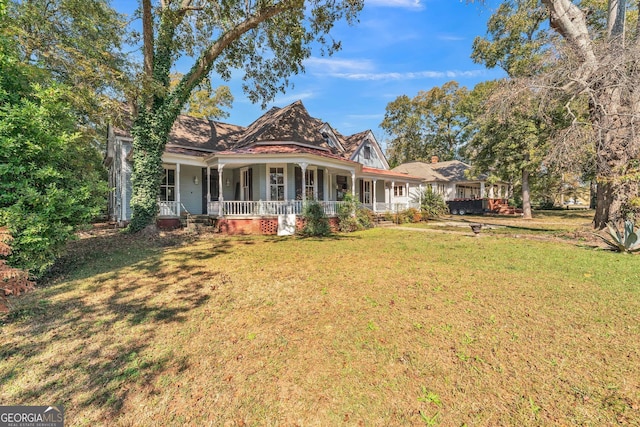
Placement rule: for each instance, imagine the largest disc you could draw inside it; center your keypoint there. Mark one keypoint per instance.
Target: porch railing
(266, 208)
(395, 207)
(169, 208)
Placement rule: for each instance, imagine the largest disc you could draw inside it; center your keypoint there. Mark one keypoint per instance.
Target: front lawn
(376, 328)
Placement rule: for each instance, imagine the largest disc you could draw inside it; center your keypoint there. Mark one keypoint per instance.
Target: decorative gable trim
(330, 136)
(371, 139)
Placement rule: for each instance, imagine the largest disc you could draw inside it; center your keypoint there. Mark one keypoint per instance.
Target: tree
(268, 40)
(516, 43)
(50, 178)
(78, 43)
(205, 102)
(600, 62)
(427, 125)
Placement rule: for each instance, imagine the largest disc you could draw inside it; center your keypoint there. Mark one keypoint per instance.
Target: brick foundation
(264, 226)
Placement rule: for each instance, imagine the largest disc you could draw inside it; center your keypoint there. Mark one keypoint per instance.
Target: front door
(213, 188)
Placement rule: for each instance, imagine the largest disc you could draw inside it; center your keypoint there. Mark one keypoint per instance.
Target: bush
(51, 178)
(316, 222)
(432, 204)
(352, 216)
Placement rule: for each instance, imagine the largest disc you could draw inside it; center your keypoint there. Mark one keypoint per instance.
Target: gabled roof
(449, 171)
(287, 125)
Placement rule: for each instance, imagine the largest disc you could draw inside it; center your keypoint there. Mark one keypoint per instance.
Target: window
(366, 192)
(310, 184)
(367, 152)
(398, 190)
(168, 186)
(276, 183)
(245, 182)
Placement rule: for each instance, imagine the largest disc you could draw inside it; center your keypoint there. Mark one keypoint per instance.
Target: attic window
(367, 152)
(328, 140)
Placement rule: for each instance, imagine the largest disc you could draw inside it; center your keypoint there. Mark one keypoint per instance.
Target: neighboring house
(245, 177)
(452, 180)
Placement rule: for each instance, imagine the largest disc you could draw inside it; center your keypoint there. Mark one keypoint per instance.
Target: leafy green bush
(352, 216)
(432, 204)
(51, 179)
(316, 222)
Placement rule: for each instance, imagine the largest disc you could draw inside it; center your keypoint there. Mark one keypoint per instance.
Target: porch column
(420, 194)
(353, 184)
(491, 192)
(208, 187)
(304, 166)
(220, 191)
(391, 190)
(327, 185)
(374, 195)
(482, 190)
(407, 192)
(178, 187)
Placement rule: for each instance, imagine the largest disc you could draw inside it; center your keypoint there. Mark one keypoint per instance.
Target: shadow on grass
(82, 343)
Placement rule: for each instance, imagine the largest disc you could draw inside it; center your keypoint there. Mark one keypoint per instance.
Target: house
(245, 178)
(452, 180)
(463, 192)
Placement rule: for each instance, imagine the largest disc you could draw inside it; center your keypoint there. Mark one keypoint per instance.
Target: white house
(245, 177)
(452, 180)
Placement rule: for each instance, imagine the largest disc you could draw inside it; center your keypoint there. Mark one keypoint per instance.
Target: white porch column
(407, 192)
(391, 190)
(491, 192)
(178, 187)
(420, 194)
(304, 166)
(374, 195)
(208, 187)
(353, 184)
(220, 191)
(482, 189)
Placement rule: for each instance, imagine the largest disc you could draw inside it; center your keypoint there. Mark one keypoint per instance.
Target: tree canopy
(430, 124)
(268, 41)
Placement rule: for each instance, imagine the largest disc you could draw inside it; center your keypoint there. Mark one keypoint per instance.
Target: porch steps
(382, 221)
(196, 222)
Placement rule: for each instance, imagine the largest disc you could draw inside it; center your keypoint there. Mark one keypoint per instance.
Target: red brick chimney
(434, 159)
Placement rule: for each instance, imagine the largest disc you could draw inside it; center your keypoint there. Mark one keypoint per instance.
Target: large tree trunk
(611, 81)
(526, 195)
(616, 150)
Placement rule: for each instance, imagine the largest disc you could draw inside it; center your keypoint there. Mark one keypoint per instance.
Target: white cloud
(405, 4)
(366, 116)
(450, 38)
(288, 99)
(451, 74)
(335, 65)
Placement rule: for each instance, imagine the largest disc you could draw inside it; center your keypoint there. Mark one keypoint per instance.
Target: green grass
(383, 327)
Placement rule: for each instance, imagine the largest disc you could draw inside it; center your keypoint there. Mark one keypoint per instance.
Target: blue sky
(399, 47)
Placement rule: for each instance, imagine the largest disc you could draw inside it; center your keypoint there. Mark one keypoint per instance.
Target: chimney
(434, 159)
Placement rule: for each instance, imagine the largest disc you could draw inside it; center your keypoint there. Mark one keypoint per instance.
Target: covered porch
(236, 187)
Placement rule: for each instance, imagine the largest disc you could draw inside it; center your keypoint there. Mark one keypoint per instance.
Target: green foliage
(78, 43)
(352, 216)
(268, 41)
(51, 180)
(429, 124)
(625, 242)
(316, 222)
(432, 204)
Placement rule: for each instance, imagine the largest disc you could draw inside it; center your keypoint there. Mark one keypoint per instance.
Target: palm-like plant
(626, 242)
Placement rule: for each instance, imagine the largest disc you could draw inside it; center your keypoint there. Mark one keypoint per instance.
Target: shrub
(352, 216)
(316, 222)
(432, 204)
